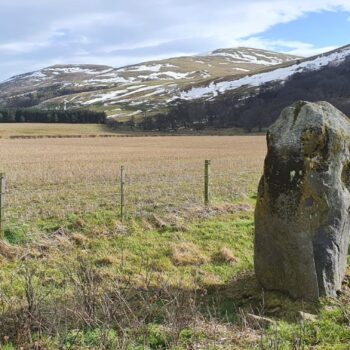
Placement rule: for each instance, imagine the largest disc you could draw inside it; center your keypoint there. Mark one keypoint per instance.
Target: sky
(38, 33)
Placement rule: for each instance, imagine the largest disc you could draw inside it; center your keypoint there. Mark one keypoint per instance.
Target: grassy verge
(95, 283)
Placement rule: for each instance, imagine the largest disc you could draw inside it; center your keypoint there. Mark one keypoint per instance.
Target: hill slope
(255, 100)
(279, 74)
(130, 90)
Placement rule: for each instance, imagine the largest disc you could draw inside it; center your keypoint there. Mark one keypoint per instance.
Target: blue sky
(38, 33)
(322, 29)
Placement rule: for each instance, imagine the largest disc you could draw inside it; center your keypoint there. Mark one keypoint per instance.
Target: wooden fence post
(207, 182)
(2, 203)
(122, 193)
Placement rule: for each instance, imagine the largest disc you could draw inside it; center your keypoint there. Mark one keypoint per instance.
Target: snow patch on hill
(121, 94)
(279, 74)
(116, 80)
(248, 55)
(146, 68)
(73, 70)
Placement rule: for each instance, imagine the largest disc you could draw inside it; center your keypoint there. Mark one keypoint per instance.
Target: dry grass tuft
(146, 225)
(229, 335)
(232, 208)
(186, 253)
(80, 223)
(79, 239)
(8, 252)
(120, 230)
(106, 261)
(225, 254)
(160, 223)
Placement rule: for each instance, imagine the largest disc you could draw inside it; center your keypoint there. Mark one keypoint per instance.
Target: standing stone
(302, 215)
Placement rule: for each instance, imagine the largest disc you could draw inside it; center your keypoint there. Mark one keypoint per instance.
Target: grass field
(38, 129)
(42, 130)
(174, 275)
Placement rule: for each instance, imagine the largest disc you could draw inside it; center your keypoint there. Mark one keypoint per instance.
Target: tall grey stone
(302, 215)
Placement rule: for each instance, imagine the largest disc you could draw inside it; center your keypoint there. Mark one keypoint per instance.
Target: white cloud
(297, 48)
(308, 50)
(88, 20)
(19, 47)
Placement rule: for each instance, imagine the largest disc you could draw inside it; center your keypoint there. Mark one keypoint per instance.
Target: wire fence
(127, 195)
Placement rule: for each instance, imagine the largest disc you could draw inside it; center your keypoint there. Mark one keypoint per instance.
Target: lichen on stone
(301, 219)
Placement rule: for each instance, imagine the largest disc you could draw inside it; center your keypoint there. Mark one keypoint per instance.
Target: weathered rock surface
(302, 215)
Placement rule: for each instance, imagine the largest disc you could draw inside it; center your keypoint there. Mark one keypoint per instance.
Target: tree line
(76, 116)
(257, 110)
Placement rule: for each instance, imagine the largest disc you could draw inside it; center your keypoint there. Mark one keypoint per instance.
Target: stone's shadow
(243, 294)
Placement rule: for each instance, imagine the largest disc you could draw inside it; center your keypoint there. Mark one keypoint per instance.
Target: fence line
(126, 192)
(206, 182)
(2, 202)
(122, 193)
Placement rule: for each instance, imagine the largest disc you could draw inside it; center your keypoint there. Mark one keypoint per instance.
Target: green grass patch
(194, 282)
(330, 331)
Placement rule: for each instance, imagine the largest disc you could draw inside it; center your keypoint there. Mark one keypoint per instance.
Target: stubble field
(51, 178)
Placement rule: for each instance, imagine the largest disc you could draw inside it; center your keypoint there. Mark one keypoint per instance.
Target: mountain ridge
(299, 64)
(119, 90)
(234, 87)
(255, 100)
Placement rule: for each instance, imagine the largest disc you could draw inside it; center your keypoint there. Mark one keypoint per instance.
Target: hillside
(255, 100)
(131, 90)
(280, 74)
(227, 88)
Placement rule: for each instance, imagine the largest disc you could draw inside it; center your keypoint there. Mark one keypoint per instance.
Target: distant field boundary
(33, 137)
(32, 131)
(82, 136)
(63, 136)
